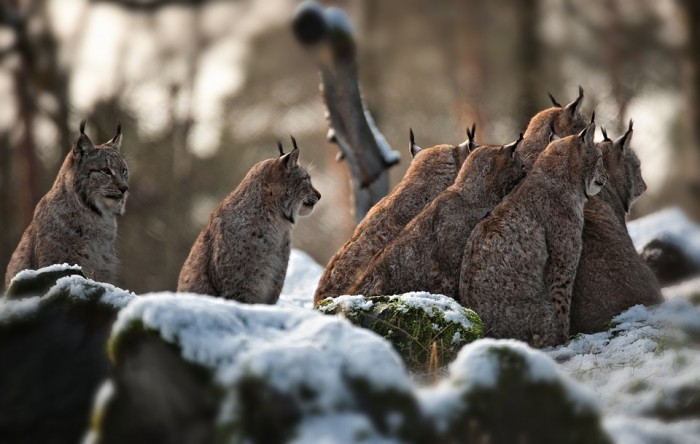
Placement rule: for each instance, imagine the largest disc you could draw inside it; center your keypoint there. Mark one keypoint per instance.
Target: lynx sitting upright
(431, 171)
(520, 262)
(427, 255)
(76, 221)
(611, 276)
(554, 122)
(243, 252)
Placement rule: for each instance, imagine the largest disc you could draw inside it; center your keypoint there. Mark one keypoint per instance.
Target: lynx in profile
(243, 252)
(431, 171)
(520, 262)
(611, 276)
(427, 255)
(555, 122)
(76, 221)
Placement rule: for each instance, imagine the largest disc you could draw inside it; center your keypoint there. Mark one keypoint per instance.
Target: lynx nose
(123, 188)
(318, 195)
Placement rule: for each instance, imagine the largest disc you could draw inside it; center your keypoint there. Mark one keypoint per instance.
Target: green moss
(418, 333)
(520, 409)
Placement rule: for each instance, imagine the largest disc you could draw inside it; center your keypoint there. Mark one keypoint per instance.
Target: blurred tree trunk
(528, 59)
(690, 160)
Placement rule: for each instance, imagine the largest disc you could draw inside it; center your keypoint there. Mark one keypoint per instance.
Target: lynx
(555, 122)
(611, 276)
(520, 262)
(243, 252)
(76, 221)
(427, 254)
(431, 171)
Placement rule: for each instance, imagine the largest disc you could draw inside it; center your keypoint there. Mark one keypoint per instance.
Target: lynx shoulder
(431, 171)
(243, 252)
(551, 123)
(611, 276)
(427, 254)
(519, 262)
(76, 221)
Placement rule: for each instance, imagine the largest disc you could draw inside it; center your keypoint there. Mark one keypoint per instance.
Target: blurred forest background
(204, 88)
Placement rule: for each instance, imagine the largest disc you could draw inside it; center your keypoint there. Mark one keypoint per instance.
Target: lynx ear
(83, 144)
(605, 135)
(415, 149)
(587, 133)
(513, 145)
(279, 147)
(623, 142)
(291, 159)
(470, 137)
(575, 105)
(116, 141)
(552, 133)
(554, 101)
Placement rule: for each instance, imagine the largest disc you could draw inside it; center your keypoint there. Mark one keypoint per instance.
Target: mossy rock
(52, 359)
(38, 282)
(510, 393)
(426, 329)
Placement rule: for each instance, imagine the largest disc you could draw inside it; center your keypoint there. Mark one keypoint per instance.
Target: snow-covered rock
(52, 356)
(38, 282)
(425, 329)
(214, 370)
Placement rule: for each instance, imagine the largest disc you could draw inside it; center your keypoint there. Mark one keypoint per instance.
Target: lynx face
(101, 175)
(300, 196)
(594, 174)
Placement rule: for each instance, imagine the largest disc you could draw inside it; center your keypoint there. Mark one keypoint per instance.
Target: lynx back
(427, 254)
(431, 171)
(243, 252)
(519, 263)
(611, 276)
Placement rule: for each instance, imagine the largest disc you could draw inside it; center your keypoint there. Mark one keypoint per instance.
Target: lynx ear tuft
(587, 133)
(279, 147)
(116, 141)
(605, 134)
(593, 117)
(412, 147)
(623, 142)
(470, 137)
(574, 106)
(554, 101)
(294, 142)
(290, 159)
(513, 145)
(83, 144)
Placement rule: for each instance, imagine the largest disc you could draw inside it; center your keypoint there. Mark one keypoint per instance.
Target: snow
(301, 280)
(31, 274)
(12, 309)
(671, 225)
(293, 349)
(79, 287)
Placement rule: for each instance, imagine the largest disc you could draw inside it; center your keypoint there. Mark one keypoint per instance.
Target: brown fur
(611, 276)
(563, 121)
(427, 255)
(76, 221)
(520, 262)
(243, 252)
(431, 171)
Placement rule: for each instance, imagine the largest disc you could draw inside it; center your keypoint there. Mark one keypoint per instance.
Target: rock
(669, 262)
(422, 327)
(52, 357)
(38, 282)
(197, 369)
(502, 391)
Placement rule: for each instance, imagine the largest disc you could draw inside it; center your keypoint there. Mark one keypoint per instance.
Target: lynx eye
(106, 171)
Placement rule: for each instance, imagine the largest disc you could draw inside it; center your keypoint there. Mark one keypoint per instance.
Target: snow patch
(11, 309)
(670, 225)
(82, 288)
(33, 274)
(300, 283)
